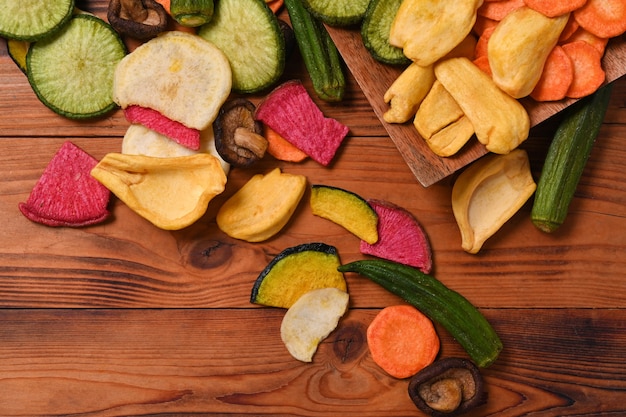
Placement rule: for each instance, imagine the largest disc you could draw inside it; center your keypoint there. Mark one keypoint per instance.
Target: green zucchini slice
(567, 158)
(249, 34)
(375, 30)
(31, 20)
(339, 13)
(72, 71)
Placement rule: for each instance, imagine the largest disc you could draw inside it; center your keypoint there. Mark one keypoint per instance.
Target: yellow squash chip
(347, 209)
(295, 271)
(262, 207)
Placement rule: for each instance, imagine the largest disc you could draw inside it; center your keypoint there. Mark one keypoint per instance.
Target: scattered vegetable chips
(66, 194)
(401, 237)
(152, 119)
(290, 111)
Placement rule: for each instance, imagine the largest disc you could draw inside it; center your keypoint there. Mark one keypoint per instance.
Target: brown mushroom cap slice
(238, 136)
(448, 387)
(140, 19)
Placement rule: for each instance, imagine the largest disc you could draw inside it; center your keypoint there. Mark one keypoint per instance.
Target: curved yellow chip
(488, 193)
(172, 193)
(347, 209)
(262, 207)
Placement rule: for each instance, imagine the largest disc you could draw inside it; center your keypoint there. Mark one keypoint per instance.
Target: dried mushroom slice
(140, 19)
(238, 136)
(448, 387)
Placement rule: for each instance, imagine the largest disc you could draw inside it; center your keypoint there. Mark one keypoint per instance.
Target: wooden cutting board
(374, 78)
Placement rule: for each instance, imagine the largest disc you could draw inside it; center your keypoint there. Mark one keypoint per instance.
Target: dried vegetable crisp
(292, 113)
(152, 119)
(401, 238)
(66, 194)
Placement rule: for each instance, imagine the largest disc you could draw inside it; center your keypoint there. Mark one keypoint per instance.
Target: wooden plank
(179, 362)
(375, 78)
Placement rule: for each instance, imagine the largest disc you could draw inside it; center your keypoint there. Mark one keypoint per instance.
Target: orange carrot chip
(556, 78)
(497, 10)
(588, 72)
(402, 340)
(554, 8)
(603, 18)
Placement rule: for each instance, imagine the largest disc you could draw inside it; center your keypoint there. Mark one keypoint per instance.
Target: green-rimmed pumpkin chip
(295, 271)
(347, 209)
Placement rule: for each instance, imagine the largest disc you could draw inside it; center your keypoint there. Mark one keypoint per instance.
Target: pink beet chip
(290, 111)
(401, 238)
(152, 119)
(66, 194)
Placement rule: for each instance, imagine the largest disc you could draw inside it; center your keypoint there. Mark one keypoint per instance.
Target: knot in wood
(349, 341)
(208, 254)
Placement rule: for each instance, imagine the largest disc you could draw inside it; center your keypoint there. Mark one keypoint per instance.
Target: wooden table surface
(124, 319)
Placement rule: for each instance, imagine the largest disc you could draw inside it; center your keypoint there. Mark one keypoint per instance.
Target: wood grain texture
(123, 319)
(175, 362)
(375, 78)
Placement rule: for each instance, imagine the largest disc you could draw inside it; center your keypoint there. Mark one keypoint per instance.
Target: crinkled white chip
(311, 319)
(178, 74)
(140, 140)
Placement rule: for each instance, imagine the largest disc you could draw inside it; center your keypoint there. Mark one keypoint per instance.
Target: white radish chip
(311, 319)
(140, 140)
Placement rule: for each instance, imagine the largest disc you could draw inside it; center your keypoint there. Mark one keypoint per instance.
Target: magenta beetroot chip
(66, 194)
(290, 111)
(152, 119)
(401, 237)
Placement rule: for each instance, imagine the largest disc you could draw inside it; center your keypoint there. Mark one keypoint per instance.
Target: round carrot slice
(603, 18)
(402, 340)
(556, 78)
(554, 8)
(497, 10)
(588, 72)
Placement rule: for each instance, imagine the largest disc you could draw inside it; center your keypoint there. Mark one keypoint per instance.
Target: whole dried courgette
(441, 304)
(319, 53)
(566, 159)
